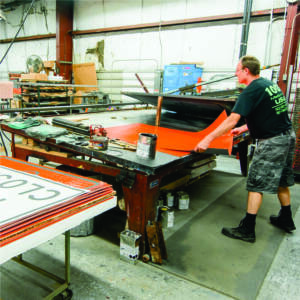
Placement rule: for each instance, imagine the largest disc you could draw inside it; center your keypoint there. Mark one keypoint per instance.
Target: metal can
(183, 200)
(101, 142)
(146, 146)
(129, 245)
(167, 217)
(170, 199)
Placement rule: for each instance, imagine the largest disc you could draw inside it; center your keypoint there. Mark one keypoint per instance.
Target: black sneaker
(239, 233)
(286, 224)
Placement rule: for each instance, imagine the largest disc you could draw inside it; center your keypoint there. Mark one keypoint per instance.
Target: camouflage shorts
(272, 163)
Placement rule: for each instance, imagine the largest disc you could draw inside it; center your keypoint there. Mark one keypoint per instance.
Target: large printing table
(140, 178)
(39, 203)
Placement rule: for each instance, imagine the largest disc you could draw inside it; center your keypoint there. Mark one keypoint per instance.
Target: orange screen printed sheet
(172, 141)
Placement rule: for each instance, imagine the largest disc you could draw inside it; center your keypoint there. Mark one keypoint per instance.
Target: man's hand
(202, 145)
(225, 126)
(239, 130)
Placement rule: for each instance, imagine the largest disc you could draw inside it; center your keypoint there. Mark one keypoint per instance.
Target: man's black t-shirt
(264, 107)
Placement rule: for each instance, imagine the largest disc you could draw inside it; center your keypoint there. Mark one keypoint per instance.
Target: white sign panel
(23, 194)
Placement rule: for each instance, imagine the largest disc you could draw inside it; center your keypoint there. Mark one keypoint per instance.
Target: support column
(64, 42)
(290, 46)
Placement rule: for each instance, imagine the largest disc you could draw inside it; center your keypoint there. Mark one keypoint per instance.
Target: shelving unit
(51, 93)
(45, 93)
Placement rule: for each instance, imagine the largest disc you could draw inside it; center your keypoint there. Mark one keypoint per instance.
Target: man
(264, 108)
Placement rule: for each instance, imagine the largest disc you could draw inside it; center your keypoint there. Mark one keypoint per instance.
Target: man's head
(248, 69)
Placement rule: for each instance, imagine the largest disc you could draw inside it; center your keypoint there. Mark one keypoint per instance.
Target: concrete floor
(98, 273)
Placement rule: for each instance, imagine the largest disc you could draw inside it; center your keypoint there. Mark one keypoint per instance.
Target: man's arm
(226, 125)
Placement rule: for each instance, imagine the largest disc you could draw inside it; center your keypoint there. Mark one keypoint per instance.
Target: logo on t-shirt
(278, 98)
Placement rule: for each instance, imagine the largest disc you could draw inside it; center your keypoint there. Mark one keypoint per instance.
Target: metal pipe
(245, 29)
(248, 23)
(290, 41)
(63, 107)
(141, 82)
(54, 84)
(198, 84)
(269, 40)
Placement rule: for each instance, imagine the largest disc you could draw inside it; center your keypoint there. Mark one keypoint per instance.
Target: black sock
(250, 218)
(249, 221)
(286, 211)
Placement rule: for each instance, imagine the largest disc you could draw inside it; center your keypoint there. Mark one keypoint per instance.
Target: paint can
(170, 199)
(183, 200)
(146, 146)
(167, 217)
(129, 246)
(101, 142)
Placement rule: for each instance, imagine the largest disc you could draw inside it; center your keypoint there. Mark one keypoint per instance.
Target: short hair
(252, 63)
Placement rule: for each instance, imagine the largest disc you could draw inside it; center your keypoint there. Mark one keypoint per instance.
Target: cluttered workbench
(140, 178)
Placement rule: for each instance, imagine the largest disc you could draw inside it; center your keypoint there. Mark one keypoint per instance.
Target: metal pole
(158, 110)
(67, 257)
(198, 84)
(63, 107)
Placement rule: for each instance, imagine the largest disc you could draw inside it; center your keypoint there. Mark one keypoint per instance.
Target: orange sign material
(173, 141)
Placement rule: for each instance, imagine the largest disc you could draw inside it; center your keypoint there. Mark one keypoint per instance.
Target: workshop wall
(215, 43)
(41, 20)
(118, 55)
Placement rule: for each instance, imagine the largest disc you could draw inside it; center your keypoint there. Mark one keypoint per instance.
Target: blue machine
(176, 76)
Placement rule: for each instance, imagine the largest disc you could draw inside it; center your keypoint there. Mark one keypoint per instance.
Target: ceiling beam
(239, 16)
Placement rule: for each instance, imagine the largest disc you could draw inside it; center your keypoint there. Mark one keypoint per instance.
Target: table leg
(20, 153)
(140, 201)
(67, 257)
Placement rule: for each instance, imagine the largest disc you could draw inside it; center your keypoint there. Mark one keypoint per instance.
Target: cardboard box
(49, 64)
(85, 74)
(34, 77)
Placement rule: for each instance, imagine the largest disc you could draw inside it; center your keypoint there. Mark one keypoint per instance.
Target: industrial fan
(34, 64)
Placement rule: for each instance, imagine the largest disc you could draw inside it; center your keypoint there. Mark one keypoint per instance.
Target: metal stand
(3, 143)
(63, 288)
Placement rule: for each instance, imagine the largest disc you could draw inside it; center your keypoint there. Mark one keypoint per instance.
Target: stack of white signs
(33, 197)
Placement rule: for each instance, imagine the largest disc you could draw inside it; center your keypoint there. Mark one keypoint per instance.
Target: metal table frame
(15, 249)
(63, 288)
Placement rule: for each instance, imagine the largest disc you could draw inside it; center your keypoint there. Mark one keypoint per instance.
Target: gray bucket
(84, 229)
